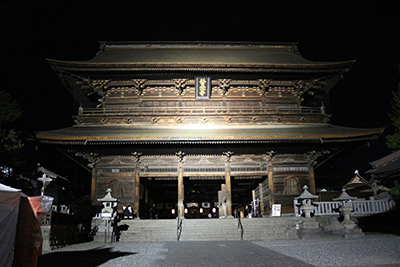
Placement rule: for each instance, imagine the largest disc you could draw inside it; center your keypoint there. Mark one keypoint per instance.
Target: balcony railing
(217, 110)
(359, 207)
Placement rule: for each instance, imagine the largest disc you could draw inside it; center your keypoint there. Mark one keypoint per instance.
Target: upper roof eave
(153, 56)
(343, 66)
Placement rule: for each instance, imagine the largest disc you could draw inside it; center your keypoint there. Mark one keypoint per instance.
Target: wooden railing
(359, 207)
(223, 110)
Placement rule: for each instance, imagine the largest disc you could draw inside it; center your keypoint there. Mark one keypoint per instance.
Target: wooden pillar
(93, 191)
(228, 187)
(312, 179)
(271, 185)
(136, 203)
(181, 192)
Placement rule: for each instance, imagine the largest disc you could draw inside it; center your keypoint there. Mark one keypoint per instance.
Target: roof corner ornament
(181, 156)
(264, 85)
(323, 110)
(224, 85)
(180, 85)
(228, 155)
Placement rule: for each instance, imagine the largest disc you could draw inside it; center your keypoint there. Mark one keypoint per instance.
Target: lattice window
(292, 186)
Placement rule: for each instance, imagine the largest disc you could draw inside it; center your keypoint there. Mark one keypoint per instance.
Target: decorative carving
(154, 119)
(159, 162)
(304, 86)
(181, 156)
(228, 155)
(137, 156)
(270, 155)
(139, 85)
(204, 119)
(203, 161)
(229, 119)
(91, 157)
(264, 85)
(179, 119)
(312, 156)
(96, 86)
(224, 85)
(117, 161)
(129, 120)
(180, 85)
(249, 161)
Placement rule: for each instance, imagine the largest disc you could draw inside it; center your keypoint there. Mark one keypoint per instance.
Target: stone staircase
(149, 231)
(210, 230)
(255, 229)
(270, 228)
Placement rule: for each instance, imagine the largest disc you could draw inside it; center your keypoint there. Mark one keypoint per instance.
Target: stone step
(255, 229)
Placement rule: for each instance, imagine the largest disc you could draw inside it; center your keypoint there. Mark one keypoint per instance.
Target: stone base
(309, 229)
(353, 233)
(351, 230)
(46, 238)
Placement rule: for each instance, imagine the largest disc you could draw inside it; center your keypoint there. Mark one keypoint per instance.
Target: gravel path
(379, 250)
(367, 251)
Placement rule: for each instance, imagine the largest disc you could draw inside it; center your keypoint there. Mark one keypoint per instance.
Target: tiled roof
(123, 56)
(387, 164)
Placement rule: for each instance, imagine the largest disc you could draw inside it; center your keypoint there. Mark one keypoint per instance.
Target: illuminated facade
(174, 123)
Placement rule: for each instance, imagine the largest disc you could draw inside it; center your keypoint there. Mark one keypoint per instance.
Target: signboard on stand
(276, 210)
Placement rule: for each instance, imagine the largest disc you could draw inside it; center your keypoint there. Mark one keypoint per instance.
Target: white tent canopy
(9, 206)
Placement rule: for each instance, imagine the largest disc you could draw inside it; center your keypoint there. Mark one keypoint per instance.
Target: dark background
(368, 31)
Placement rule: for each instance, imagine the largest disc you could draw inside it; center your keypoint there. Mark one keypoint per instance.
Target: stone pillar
(228, 190)
(222, 202)
(136, 203)
(260, 188)
(181, 192)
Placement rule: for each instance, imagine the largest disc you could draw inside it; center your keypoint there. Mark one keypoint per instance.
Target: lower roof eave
(85, 142)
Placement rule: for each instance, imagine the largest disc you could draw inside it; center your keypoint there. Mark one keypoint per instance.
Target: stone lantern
(107, 212)
(108, 203)
(350, 228)
(306, 205)
(346, 207)
(309, 227)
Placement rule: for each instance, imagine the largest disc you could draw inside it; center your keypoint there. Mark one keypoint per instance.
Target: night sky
(368, 31)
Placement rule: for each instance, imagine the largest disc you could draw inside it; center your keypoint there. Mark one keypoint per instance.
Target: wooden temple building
(195, 124)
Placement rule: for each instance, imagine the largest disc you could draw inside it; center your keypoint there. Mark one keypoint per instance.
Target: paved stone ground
(368, 251)
(223, 253)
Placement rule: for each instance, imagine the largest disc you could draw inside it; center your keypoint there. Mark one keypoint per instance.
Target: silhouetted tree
(10, 144)
(393, 140)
